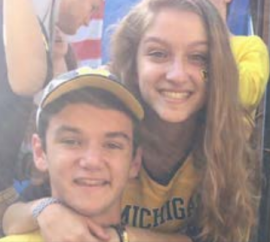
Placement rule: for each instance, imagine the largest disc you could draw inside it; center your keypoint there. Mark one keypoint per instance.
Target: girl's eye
(199, 59)
(158, 55)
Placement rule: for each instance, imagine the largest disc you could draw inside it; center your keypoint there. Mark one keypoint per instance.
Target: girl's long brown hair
(228, 194)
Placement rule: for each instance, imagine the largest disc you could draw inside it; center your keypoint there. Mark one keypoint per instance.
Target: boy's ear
(39, 155)
(136, 163)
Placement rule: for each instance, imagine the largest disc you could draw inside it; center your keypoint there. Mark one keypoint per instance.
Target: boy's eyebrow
(118, 134)
(66, 128)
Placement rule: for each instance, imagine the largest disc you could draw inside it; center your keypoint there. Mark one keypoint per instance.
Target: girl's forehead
(169, 20)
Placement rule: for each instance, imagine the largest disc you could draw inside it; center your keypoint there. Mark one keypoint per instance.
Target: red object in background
(87, 42)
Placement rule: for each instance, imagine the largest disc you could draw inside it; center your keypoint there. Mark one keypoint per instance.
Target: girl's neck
(163, 133)
(166, 145)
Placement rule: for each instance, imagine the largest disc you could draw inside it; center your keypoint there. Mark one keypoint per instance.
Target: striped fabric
(87, 41)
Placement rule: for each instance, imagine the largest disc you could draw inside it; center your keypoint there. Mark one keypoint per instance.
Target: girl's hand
(59, 223)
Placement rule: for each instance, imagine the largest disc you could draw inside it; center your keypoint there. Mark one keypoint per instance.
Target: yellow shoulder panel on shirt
(30, 237)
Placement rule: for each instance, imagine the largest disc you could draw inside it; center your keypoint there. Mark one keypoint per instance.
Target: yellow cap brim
(96, 81)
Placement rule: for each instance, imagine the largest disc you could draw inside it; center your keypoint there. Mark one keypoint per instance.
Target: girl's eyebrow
(154, 39)
(198, 43)
(164, 42)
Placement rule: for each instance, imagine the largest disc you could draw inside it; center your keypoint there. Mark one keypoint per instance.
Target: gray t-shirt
(15, 110)
(47, 12)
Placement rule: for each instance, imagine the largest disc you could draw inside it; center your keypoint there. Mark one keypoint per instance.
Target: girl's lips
(176, 95)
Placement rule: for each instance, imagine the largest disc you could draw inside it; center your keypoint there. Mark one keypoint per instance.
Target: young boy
(87, 140)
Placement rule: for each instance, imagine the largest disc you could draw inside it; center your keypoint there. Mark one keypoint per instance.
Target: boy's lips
(91, 182)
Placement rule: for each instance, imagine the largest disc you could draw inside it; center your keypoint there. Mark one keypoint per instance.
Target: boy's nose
(92, 158)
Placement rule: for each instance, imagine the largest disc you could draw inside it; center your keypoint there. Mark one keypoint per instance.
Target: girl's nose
(177, 71)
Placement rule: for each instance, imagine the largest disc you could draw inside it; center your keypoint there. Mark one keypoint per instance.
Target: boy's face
(89, 158)
(76, 13)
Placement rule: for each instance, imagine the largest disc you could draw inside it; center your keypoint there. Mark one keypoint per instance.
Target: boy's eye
(113, 146)
(71, 142)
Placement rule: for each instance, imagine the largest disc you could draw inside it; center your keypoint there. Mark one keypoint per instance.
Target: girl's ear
(136, 163)
(39, 154)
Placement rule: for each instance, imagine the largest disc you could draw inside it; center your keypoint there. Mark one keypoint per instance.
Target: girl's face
(171, 58)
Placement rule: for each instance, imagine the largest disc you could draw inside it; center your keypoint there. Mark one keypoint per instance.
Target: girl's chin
(176, 118)
(172, 117)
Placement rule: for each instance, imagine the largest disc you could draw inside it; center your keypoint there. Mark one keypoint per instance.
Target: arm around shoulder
(18, 218)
